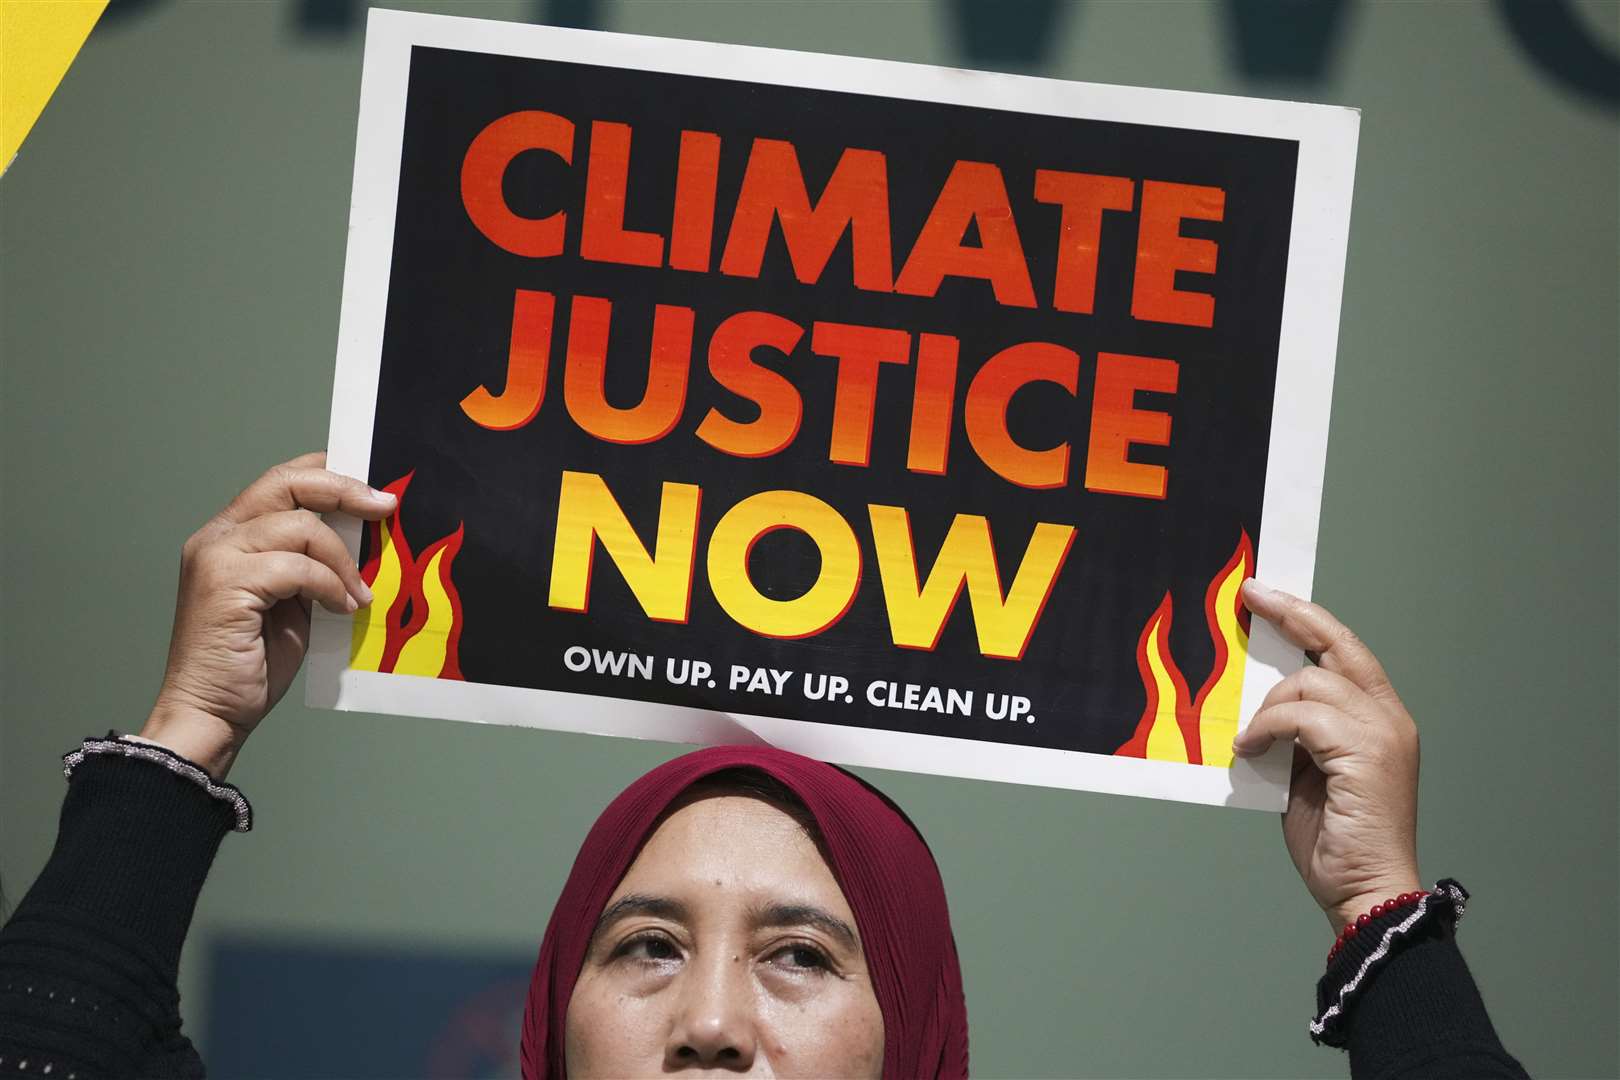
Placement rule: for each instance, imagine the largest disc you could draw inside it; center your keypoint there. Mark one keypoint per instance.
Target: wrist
(197, 736)
(1347, 911)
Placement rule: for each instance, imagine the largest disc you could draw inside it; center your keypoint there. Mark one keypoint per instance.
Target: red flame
(408, 599)
(1217, 700)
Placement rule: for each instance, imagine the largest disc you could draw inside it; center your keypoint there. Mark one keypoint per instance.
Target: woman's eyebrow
(659, 907)
(780, 915)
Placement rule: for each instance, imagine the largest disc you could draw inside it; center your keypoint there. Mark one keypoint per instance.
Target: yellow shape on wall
(38, 40)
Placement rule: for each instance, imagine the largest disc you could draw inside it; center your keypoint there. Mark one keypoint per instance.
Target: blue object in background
(291, 1009)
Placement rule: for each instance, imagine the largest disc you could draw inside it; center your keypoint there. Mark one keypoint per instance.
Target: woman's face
(728, 949)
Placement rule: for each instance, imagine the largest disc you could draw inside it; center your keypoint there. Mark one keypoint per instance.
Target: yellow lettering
(917, 613)
(826, 600)
(661, 582)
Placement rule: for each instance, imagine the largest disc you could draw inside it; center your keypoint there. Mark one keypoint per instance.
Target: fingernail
(1259, 590)
(349, 605)
(1241, 748)
(363, 596)
(387, 498)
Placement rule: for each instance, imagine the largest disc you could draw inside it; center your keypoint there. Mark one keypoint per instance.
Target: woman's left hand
(1351, 823)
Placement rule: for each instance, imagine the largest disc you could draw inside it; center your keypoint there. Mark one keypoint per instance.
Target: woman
(735, 911)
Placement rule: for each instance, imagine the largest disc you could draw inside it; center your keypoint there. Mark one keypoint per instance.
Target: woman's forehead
(735, 850)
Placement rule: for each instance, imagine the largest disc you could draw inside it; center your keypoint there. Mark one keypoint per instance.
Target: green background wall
(172, 239)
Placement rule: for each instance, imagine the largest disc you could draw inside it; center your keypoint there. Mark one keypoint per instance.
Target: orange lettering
(1116, 423)
(984, 413)
(588, 322)
(860, 351)
(933, 404)
(732, 365)
(528, 356)
(602, 236)
(855, 198)
(974, 192)
(1161, 250)
(692, 232)
(484, 168)
(1083, 197)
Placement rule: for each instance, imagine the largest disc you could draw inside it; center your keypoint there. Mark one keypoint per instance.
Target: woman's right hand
(241, 621)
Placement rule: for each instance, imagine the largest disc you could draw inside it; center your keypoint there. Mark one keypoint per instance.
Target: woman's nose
(715, 1022)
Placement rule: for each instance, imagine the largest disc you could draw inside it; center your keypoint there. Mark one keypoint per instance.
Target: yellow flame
(370, 635)
(424, 653)
(1218, 720)
(1210, 716)
(1164, 742)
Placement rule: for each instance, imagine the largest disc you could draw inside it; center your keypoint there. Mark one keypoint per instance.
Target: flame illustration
(413, 626)
(1176, 726)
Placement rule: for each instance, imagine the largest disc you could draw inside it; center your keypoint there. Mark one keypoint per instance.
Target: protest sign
(897, 415)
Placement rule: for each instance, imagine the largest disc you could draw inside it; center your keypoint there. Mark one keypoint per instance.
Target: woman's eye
(658, 949)
(651, 948)
(802, 958)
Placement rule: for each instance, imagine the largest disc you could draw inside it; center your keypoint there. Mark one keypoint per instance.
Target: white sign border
(1327, 137)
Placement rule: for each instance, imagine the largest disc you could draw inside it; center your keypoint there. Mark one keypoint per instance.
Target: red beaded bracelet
(1394, 903)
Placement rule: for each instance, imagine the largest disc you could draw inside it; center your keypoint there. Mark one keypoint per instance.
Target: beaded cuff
(168, 759)
(1374, 945)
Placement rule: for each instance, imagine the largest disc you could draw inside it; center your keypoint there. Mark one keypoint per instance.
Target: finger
(304, 532)
(294, 487)
(287, 629)
(1302, 761)
(1325, 732)
(282, 575)
(1314, 629)
(1320, 685)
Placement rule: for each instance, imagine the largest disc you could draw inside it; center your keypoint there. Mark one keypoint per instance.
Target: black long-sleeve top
(89, 960)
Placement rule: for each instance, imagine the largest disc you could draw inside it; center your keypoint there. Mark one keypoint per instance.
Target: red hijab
(879, 860)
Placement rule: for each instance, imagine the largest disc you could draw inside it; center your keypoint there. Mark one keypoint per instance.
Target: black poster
(821, 401)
